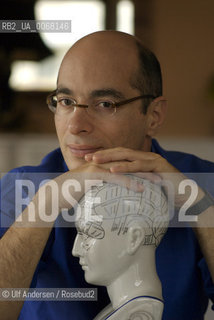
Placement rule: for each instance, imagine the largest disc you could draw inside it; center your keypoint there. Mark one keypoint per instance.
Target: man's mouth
(81, 150)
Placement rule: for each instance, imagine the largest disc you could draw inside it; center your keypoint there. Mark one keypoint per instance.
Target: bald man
(108, 106)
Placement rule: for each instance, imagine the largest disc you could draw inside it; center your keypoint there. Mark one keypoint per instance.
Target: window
(86, 17)
(125, 16)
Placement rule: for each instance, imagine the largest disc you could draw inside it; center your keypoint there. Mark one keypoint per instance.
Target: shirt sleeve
(15, 194)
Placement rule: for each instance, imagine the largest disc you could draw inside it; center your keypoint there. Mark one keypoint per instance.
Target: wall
(183, 41)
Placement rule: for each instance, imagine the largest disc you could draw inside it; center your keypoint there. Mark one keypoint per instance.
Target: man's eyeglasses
(63, 105)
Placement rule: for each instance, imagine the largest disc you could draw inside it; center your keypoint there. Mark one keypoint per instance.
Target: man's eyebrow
(107, 92)
(64, 90)
(95, 93)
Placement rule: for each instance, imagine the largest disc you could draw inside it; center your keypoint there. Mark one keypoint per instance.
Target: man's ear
(156, 115)
(136, 236)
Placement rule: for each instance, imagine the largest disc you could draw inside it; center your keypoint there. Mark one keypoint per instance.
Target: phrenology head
(103, 67)
(113, 223)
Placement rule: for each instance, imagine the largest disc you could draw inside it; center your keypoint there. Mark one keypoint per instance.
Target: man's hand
(90, 171)
(123, 160)
(148, 165)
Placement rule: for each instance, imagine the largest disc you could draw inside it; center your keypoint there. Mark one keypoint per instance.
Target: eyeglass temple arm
(148, 96)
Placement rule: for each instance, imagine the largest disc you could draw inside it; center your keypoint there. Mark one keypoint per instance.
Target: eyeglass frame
(115, 104)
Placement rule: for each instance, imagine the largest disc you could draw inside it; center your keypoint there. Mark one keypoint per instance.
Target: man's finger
(118, 154)
(122, 180)
(133, 167)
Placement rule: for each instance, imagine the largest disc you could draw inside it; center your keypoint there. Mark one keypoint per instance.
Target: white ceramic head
(114, 225)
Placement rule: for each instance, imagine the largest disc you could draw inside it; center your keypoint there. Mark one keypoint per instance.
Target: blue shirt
(185, 278)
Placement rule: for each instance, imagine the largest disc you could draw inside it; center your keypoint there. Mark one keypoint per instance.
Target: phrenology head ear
(135, 238)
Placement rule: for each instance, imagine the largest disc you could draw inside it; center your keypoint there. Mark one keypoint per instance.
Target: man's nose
(77, 247)
(79, 121)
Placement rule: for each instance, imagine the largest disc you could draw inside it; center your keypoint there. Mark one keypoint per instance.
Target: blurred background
(179, 32)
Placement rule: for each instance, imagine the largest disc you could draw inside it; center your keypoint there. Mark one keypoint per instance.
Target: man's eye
(66, 102)
(105, 104)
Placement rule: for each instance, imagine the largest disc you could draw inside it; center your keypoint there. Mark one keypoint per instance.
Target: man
(107, 138)
(116, 243)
